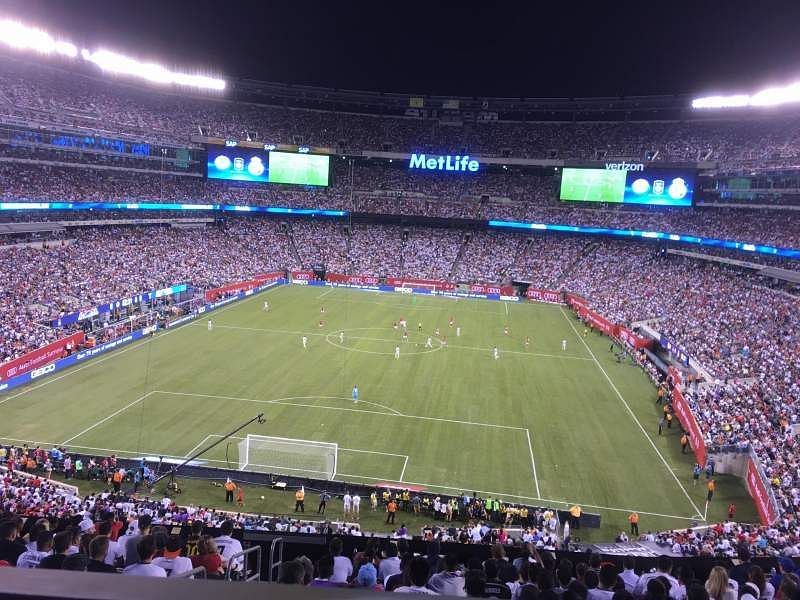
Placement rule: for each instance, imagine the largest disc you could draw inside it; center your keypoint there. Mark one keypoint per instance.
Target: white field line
(323, 294)
(633, 416)
(403, 472)
(394, 341)
(115, 353)
(430, 485)
(506, 305)
(235, 437)
(533, 462)
(196, 446)
(279, 401)
(111, 416)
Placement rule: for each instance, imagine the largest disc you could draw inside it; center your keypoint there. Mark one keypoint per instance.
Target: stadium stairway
(585, 252)
(293, 244)
(464, 243)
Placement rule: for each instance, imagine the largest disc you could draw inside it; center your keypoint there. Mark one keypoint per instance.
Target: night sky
(524, 48)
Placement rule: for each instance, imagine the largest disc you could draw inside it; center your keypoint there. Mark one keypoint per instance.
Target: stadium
(445, 344)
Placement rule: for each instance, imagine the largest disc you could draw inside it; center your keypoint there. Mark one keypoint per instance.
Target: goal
(303, 458)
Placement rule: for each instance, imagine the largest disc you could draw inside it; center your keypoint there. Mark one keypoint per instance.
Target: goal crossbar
(290, 456)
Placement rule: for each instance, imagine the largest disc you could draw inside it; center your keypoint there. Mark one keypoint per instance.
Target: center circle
(333, 339)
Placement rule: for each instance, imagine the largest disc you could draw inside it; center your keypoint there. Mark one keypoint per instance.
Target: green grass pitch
(539, 425)
(593, 185)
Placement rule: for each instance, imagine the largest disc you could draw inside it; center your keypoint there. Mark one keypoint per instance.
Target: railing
(196, 573)
(275, 548)
(249, 575)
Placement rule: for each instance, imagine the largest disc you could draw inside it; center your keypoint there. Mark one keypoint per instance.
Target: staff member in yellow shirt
(300, 499)
(633, 519)
(575, 517)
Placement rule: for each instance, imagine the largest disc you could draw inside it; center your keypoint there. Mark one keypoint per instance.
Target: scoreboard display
(237, 163)
(659, 186)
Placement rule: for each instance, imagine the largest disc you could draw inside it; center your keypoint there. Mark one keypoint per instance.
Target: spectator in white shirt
(228, 546)
(418, 574)
(663, 568)
(32, 558)
(146, 550)
(389, 565)
(342, 566)
(628, 575)
(172, 561)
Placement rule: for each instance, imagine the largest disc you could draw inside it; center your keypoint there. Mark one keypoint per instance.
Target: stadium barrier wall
(31, 362)
(690, 426)
(598, 321)
(82, 315)
(760, 492)
(352, 279)
(124, 340)
(415, 283)
(542, 295)
(242, 286)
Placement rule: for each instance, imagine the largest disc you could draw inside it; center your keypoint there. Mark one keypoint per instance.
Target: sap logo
(403, 290)
(43, 371)
(149, 329)
(443, 163)
(625, 166)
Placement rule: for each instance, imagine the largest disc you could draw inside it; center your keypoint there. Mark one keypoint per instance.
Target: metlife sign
(426, 162)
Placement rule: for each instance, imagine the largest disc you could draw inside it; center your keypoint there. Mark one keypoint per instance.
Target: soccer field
(539, 425)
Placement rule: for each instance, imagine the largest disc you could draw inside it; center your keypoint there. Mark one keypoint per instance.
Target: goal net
(303, 458)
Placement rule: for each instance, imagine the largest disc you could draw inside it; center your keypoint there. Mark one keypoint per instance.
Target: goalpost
(303, 458)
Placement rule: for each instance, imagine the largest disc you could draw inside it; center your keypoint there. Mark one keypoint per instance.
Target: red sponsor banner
(242, 286)
(540, 295)
(422, 283)
(303, 275)
(689, 424)
(759, 494)
(352, 279)
(577, 303)
(480, 288)
(508, 290)
(42, 356)
(634, 341)
(675, 376)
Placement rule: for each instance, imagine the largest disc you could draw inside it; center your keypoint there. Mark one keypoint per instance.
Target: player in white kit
(341, 337)
(496, 353)
(356, 505)
(396, 352)
(305, 343)
(563, 344)
(347, 499)
(458, 331)
(266, 306)
(429, 343)
(210, 325)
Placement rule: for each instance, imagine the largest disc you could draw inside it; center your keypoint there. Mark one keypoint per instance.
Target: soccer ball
(262, 497)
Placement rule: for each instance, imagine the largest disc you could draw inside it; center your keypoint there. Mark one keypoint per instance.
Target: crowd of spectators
(58, 97)
(505, 196)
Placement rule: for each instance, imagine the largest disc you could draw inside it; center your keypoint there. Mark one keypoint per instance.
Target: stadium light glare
(22, 37)
(114, 62)
(772, 96)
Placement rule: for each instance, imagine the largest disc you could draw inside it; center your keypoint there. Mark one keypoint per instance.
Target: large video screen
(653, 186)
(301, 169)
(236, 163)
